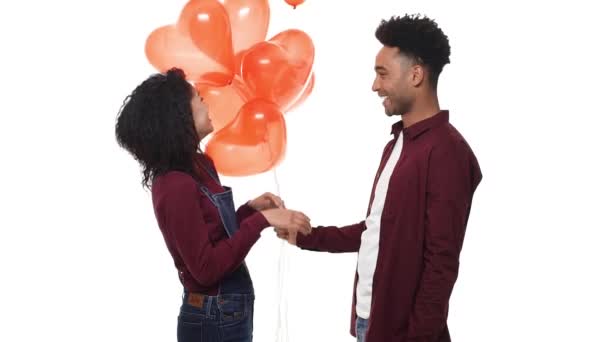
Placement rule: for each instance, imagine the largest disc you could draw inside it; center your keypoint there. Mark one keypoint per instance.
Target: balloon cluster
(248, 82)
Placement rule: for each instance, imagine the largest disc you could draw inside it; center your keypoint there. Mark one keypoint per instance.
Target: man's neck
(421, 110)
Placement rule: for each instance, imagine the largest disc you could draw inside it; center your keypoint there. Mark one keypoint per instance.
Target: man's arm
(333, 239)
(450, 190)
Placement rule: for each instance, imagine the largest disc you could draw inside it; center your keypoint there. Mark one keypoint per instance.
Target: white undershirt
(368, 251)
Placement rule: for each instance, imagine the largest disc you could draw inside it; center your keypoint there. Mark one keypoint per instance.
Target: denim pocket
(233, 309)
(194, 328)
(237, 330)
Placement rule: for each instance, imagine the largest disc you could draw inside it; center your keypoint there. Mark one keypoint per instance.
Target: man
(410, 242)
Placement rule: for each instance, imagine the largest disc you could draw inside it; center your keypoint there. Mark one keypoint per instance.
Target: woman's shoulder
(173, 181)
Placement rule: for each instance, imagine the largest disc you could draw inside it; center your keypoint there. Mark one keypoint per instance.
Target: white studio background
(81, 257)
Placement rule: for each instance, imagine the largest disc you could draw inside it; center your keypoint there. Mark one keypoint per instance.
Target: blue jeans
(361, 329)
(223, 318)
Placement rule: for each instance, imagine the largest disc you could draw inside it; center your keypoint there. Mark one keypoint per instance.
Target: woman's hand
(266, 201)
(290, 221)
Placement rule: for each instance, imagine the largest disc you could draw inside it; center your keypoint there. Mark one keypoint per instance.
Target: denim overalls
(227, 317)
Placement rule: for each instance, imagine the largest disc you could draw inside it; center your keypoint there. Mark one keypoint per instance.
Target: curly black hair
(419, 38)
(155, 125)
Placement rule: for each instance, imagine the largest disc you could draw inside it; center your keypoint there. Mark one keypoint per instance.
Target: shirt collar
(420, 127)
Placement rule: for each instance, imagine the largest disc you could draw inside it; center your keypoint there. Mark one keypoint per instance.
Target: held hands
(267, 201)
(286, 235)
(288, 222)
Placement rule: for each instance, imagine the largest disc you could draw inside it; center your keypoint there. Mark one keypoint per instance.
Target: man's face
(393, 81)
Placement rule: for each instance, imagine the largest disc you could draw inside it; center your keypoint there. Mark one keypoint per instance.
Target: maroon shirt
(193, 230)
(421, 233)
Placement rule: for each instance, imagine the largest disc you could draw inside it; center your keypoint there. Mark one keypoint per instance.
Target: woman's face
(200, 114)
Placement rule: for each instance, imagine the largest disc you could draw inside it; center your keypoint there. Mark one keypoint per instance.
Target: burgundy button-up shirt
(193, 231)
(421, 233)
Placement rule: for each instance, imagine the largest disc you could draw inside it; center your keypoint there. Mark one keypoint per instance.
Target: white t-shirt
(368, 251)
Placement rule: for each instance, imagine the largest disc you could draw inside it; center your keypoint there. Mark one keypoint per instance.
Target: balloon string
(281, 333)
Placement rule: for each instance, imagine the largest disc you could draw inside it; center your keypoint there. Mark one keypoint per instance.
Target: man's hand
(285, 235)
(267, 201)
(290, 222)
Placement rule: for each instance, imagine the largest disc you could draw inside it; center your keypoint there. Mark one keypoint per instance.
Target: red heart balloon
(238, 62)
(294, 3)
(224, 102)
(309, 87)
(167, 48)
(278, 70)
(252, 143)
(249, 21)
(208, 24)
(297, 44)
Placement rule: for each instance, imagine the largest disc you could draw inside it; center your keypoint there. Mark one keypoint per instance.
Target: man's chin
(390, 113)
(387, 111)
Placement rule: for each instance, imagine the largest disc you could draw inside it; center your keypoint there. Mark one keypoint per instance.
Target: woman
(161, 124)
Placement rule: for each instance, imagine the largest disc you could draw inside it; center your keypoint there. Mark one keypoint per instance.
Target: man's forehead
(388, 52)
(387, 57)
